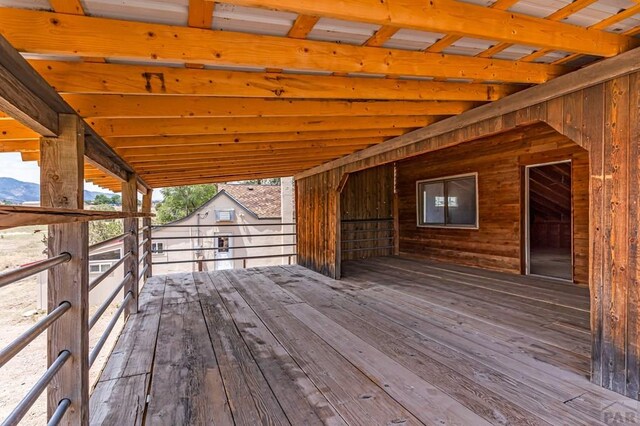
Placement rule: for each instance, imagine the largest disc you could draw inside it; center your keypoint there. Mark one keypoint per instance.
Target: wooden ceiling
(186, 104)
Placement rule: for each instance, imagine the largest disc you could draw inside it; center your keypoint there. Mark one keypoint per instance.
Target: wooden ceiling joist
(459, 18)
(75, 77)
(51, 33)
(140, 106)
(110, 127)
(302, 26)
(196, 140)
(200, 13)
(132, 153)
(13, 130)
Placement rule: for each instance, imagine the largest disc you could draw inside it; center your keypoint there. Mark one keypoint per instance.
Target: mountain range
(13, 191)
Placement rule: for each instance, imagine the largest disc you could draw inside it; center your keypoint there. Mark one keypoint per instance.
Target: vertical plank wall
(604, 119)
(366, 208)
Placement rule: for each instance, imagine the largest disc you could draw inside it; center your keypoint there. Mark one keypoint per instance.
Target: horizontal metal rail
(23, 407)
(143, 272)
(368, 248)
(228, 236)
(23, 272)
(233, 248)
(58, 415)
(96, 350)
(388, 219)
(96, 317)
(145, 241)
(107, 242)
(224, 225)
(143, 257)
(28, 336)
(228, 258)
(108, 272)
(368, 239)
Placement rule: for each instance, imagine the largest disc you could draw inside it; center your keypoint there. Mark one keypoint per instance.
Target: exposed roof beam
(51, 33)
(130, 153)
(76, 77)
(200, 13)
(459, 18)
(109, 127)
(198, 106)
(239, 139)
(302, 26)
(25, 96)
(72, 7)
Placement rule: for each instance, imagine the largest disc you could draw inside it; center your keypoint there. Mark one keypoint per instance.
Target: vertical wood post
(61, 185)
(146, 233)
(130, 204)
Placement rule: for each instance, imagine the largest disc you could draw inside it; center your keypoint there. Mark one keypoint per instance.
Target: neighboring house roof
(262, 200)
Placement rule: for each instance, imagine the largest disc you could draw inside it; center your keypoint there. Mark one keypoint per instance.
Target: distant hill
(15, 191)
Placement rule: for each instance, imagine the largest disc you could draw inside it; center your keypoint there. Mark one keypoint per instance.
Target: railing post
(130, 204)
(62, 185)
(146, 232)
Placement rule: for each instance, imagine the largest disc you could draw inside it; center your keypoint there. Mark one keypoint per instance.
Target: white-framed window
(99, 268)
(222, 243)
(225, 215)
(450, 201)
(157, 248)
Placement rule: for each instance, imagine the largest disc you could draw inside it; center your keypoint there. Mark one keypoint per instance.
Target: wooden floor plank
(357, 399)
(300, 399)
(119, 401)
(250, 397)
(186, 386)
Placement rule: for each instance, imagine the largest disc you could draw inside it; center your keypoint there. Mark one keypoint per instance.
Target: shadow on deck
(396, 341)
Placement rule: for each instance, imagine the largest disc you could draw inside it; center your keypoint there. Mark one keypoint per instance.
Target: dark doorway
(549, 220)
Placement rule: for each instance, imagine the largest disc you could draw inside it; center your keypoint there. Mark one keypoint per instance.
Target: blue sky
(11, 165)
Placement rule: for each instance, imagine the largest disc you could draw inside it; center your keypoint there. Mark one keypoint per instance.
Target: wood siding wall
(604, 119)
(499, 161)
(366, 208)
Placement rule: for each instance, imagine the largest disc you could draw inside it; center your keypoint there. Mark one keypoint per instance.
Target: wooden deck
(397, 341)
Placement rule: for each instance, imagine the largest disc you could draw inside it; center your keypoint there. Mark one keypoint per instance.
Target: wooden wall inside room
(366, 209)
(499, 161)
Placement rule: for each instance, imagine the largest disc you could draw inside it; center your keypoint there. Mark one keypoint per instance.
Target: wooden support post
(146, 233)
(61, 178)
(130, 204)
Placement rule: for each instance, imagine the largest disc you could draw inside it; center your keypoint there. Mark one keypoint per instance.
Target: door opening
(549, 229)
(223, 251)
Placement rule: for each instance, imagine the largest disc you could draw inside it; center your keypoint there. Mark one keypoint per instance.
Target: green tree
(181, 201)
(104, 199)
(267, 181)
(101, 230)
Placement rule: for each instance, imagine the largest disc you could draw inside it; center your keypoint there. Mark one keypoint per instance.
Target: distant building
(230, 231)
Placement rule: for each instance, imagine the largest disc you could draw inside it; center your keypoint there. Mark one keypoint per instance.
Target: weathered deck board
(397, 341)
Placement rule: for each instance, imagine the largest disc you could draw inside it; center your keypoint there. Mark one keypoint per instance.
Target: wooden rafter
(89, 36)
(202, 106)
(200, 13)
(302, 26)
(197, 126)
(135, 79)
(458, 18)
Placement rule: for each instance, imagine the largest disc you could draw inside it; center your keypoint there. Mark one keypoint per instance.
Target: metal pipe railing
(23, 407)
(226, 236)
(224, 225)
(145, 241)
(107, 242)
(23, 272)
(96, 350)
(144, 271)
(57, 415)
(108, 272)
(227, 258)
(234, 247)
(28, 336)
(96, 317)
(143, 257)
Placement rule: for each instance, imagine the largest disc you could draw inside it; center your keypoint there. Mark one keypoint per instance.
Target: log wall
(498, 243)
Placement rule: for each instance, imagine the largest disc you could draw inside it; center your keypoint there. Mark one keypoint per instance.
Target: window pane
(461, 209)
(432, 209)
(94, 268)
